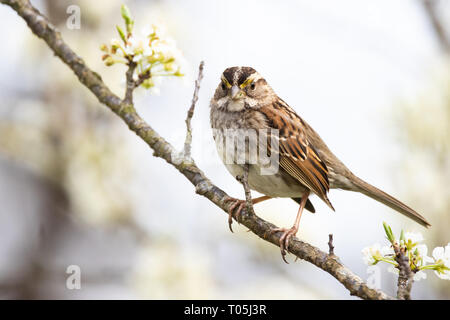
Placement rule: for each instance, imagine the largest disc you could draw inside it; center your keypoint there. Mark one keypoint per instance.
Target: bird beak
(235, 92)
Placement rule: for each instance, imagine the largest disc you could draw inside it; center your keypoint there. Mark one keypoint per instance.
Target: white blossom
(115, 42)
(415, 237)
(443, 274)
(155, 91)
(420, 275)
(422, 255)
(441, 256)
(393, 269)
(440, 253)
(416, 252)
(154, 53)
(387, 251)
(371, 254)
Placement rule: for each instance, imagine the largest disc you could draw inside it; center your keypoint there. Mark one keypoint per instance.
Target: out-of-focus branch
(188, 141)
(436, 23)
(41, 27)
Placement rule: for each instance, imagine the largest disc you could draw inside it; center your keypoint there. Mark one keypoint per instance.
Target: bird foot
(235, 203)
(285, 238)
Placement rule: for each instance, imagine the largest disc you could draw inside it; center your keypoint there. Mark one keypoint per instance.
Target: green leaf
(122, 34)
(402, 236)
(388, 231)
(126, 15)
(130, 26)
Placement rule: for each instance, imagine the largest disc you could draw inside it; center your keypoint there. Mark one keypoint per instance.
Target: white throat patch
(236, 105)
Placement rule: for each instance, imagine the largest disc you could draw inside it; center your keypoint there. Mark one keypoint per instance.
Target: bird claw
(235, 203)
(285, 239)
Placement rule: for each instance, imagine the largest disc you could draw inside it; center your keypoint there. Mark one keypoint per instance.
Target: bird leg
(248, 195)
(289, 233)
(240, 204)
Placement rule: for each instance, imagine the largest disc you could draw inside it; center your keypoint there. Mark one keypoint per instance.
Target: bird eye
(223, 86)
(253, 86)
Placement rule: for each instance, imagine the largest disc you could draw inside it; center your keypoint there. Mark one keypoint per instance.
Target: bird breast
(230, 129)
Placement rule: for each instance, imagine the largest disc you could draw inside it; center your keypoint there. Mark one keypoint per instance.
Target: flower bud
(109, 61)
(389, 233)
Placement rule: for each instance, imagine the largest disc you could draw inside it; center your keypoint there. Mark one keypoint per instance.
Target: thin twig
(190, 114)
(330, 245)
(142, 77)
(42, 28)
(436, 23)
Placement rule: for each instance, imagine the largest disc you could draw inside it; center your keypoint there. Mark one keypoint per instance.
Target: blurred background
(78, 188)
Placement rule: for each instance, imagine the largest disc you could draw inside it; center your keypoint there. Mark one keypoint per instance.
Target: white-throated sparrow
(244, 106)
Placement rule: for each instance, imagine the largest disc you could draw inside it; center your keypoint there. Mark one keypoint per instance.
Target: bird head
(241, 88)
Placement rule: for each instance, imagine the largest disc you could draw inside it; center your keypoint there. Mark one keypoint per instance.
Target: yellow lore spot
(224, 80)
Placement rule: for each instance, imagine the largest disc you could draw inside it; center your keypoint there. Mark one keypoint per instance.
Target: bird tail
(381, 196)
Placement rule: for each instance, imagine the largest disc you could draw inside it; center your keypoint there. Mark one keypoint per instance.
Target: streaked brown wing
(298, 156)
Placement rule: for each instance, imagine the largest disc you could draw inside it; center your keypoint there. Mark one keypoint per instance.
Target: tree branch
(130, 83)
(436, 23)
(190, 114)
(41, 27)
(405, 276)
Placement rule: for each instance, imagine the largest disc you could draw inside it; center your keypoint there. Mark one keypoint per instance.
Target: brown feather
(381, 196)
(297, 156)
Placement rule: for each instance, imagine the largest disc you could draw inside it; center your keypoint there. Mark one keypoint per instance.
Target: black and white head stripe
(238, 75)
